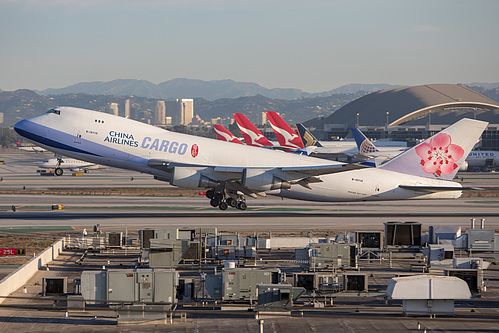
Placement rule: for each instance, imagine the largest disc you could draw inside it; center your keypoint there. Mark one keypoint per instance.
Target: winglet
(441, 155)
(307, 138)
(284, 134)
(224, 134)
(363, 143)
(252, 136)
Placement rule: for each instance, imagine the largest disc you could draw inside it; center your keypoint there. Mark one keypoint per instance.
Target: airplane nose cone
(20, 126)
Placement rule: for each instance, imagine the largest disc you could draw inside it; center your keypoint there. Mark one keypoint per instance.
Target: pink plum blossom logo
(194, 150)
(439, 156)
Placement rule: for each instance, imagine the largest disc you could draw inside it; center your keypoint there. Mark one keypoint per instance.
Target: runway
(263, 214)
(267, 214)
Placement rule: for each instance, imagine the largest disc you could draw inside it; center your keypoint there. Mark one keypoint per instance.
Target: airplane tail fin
(252, 136)
(363, 143)
(224, 134)
(307, 138)
(441, 155)
(284, 134)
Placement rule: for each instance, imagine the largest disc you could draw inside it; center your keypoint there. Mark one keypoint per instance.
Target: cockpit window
(54, 111)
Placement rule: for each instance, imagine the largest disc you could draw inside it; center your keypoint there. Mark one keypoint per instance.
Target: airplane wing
(244, 179)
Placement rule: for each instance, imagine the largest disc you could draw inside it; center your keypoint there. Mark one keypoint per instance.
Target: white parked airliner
(231, 172)
(60, 163)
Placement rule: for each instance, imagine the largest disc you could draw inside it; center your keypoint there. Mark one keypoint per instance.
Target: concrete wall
(19, 277)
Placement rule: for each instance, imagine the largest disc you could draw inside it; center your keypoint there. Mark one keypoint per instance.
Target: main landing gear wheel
(58, 172)
(231, 202)
(223, 200)
(241, 205)
(223, 205)
(219, 197)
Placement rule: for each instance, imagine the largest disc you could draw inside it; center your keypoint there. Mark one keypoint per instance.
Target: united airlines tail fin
(441, 155)
(224, 134)
(284, 134)
(307, 138)
(363, 143)
(252, 136)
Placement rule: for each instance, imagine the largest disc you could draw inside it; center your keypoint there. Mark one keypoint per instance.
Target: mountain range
(251, 99)
(210, 90)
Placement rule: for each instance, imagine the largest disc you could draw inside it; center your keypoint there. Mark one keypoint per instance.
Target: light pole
(387, 122)
(357, 120)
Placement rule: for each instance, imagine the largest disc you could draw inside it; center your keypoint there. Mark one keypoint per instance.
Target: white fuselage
(68, 163)
(480, 159)
(114, 141)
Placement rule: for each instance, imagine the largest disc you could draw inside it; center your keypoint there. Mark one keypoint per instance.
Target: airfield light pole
(387, 122)
(357, 120)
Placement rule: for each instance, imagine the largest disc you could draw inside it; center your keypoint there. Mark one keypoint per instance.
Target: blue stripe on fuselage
(42, 140)
(33, 131)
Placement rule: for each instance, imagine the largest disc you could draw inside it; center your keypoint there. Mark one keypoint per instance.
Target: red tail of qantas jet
(284, 134)
(224, 134)
(251, 134)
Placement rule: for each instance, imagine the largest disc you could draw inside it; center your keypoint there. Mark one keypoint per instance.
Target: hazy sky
(313, 45)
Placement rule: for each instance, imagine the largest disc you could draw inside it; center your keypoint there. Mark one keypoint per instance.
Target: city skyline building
(113, 108)
(186, 111)
(160, 113)
(127, 108)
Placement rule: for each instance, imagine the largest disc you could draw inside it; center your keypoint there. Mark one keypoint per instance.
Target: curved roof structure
(410, 105)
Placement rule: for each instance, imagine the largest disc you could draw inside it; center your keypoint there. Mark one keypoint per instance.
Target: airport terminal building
(410, 114)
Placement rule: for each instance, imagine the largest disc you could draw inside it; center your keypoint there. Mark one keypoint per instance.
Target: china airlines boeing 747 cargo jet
(233, 171)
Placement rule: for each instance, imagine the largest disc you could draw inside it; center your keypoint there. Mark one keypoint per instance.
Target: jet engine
(191, 178)
(261, 180)
(463, 166)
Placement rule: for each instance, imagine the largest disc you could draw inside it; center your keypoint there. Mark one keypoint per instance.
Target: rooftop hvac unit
(55, 286)
(305, 280)
(480, 239)
(368, 239)
(406, 234)
(355, 282)
(473, 277)
(185, 290)
(145, 236)
(313, 281)
(114, 239)
(277, 297)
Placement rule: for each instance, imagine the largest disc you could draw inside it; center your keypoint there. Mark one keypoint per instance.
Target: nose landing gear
(224, 200)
